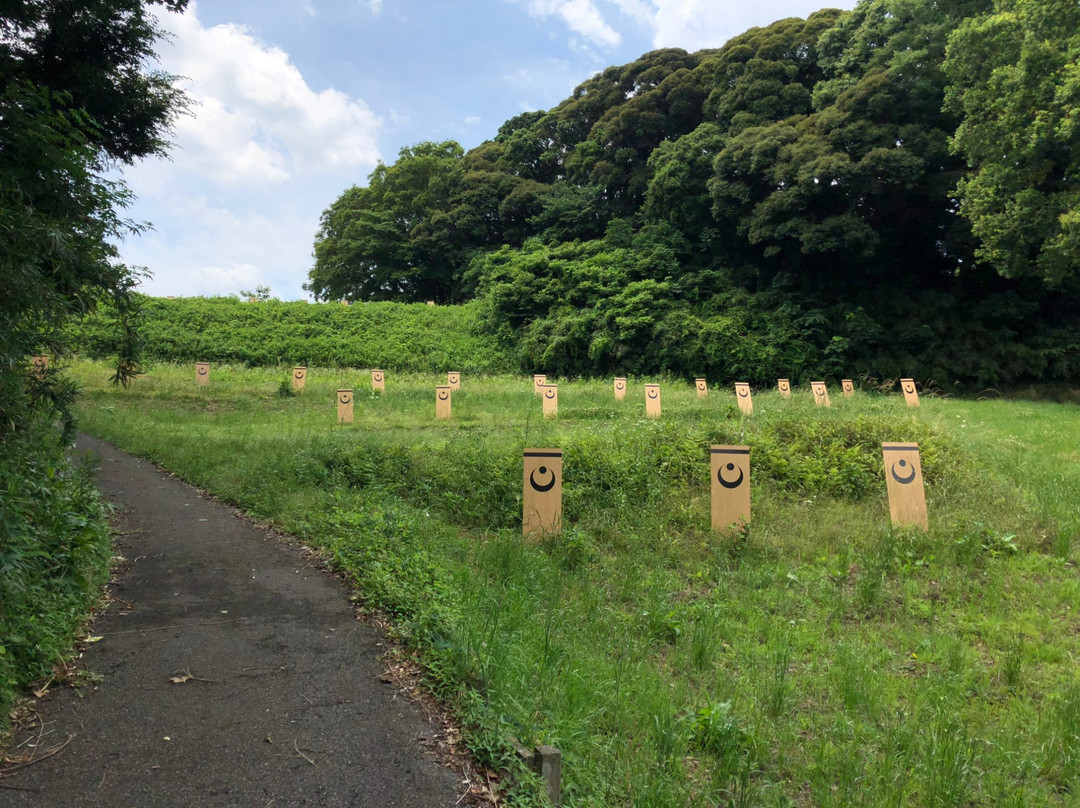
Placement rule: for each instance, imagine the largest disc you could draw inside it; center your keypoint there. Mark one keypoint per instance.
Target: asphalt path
(236, 673)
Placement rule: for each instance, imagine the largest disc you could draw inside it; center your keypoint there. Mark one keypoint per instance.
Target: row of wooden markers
(730, 488)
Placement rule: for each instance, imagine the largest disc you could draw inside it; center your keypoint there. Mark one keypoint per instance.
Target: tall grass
(819, 658)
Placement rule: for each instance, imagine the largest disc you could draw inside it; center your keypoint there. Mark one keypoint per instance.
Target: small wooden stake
(702, 387)
(299, 377)
(202, 373)
(784, 386)
(652, 400)
(620, 388)
(730, 468)
(742, 395)
(378, 380)
(849, 388)
(550, 396)
(904, 480)
(442, 401)
(541, 500)
(344, 405)
(821, 394)
(453, 379)
(539, 380)
(911, 394)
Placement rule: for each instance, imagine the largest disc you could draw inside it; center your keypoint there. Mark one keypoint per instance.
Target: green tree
(1015, 78)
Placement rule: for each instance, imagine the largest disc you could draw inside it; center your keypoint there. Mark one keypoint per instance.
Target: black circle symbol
(743, 392)
(652, 393)
(549, 393)
(898, 478)
(299, 374)
(443, 395)
(909, 388)
(701, 385)
(203, 371)
(344, 398)
(542, 488)
(620, 385)
(720, 476)
(378, 377)
(784, 387)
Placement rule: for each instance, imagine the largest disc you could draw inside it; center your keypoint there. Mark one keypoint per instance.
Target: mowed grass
(820, 658)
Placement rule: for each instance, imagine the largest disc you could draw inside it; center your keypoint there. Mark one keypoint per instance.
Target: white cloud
(580, 16)
(255, 119)
(374, 6)
(473, 120)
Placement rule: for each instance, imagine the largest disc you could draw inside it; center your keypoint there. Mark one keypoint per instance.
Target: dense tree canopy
(832, 191)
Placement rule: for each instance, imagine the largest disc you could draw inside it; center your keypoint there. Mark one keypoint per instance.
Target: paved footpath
(294, 712)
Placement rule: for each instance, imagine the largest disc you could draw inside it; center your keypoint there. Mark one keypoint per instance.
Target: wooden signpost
(453, 379)
(442, 401)
(821, 394)
(620, 388)
(202, 373)
(702, 387)
(541, 500)
(344, 405)
(904, 480)
(784, 386)
(539, 380)
(378, 380)
(849, 388)
(652, 400)
(40, 364)
(299, 377)
(730, 466)
(742, 395)
(911, 394)
(550, 396)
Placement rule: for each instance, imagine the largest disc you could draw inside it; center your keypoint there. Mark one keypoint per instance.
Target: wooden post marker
(911, 395)
(742, 395)
(849, 388)
(730, 467)
(903, 477)
(539, 380)
(344, 406)
(442, 401)
(652, 400)
(202, 373)
(40, 364)
(453, 380)
(821, 394)
(620, 388)
(702, 387)
(551, 400)
(541, 500)
(299, 377)
(784, 386)
(378, 380)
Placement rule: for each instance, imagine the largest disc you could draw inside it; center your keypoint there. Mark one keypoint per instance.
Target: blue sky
(296, 100)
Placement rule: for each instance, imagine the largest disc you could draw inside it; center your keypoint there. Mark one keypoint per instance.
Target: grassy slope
(822, 659)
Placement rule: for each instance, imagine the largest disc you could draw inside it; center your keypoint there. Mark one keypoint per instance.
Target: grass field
(820, 658)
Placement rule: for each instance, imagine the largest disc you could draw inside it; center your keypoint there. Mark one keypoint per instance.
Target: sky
(293, 101)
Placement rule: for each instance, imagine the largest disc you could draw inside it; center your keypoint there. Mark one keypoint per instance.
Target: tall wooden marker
(911, 394)
(550, 396)
(702, 387)
(730, 466)
(652, 400)
(299, 377)
(378, 380)
(784, 386)
(541, 500)
(821, 394)
(539, 380)
(442, 401)
(453, 380)
(620, 388)
(344, 405)
(202, 373)
(903, 477)
(848, 387)
(39, 365)
(742, 395)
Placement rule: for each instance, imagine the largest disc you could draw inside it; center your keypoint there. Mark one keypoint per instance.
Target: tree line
(891, 190)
